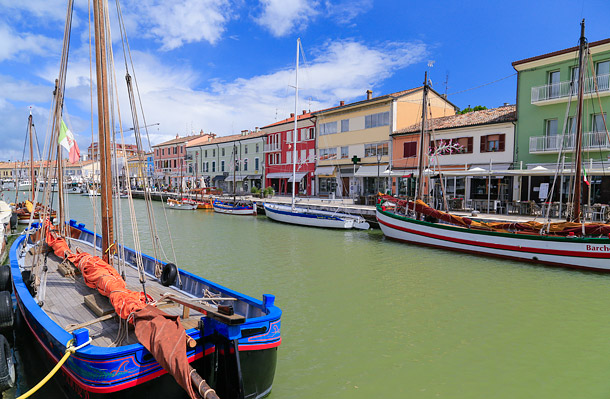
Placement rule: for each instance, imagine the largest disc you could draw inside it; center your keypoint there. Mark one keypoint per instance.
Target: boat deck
(64, 302)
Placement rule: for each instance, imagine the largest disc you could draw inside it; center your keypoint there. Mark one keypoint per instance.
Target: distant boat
(303, 216)
(24, 185)
(181, 205)
(238, 207)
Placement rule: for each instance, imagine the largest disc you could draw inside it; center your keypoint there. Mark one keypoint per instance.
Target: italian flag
(584, 176)
(66, 140)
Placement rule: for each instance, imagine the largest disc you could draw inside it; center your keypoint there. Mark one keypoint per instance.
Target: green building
(547, 87)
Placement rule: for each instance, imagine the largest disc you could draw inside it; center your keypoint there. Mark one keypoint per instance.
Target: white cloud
(346, 10)
(282, 17)
(177, 22)
(49, 10)
(15, 45)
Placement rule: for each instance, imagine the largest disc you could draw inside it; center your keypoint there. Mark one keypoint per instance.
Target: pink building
(170, 159)
(279, 152)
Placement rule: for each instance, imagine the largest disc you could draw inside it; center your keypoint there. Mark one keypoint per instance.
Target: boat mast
(30, 128)
(420, 168)
(581, 76)
(296, 117)
(103, 127)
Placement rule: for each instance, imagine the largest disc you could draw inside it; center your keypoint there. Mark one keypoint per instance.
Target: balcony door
(554, 84)
(550, 132)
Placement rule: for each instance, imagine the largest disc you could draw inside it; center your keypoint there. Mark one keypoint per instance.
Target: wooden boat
(181, 205)
(570, 244)
(81, 307)
(234, 207)
(24, 210)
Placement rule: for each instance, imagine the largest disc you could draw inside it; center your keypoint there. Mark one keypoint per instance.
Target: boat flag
(66, 140)
(584, 176)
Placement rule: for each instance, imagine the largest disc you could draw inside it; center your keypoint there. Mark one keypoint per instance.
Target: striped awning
(325, 171)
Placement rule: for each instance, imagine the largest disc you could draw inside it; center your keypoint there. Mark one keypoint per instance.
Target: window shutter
(469, 145)
(483, 144)
(501, 144)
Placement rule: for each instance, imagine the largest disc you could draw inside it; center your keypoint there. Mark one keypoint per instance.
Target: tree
(468, 109)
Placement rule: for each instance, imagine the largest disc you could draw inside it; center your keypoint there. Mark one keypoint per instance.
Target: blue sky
(227, 65)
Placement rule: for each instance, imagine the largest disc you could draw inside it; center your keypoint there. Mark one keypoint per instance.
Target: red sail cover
(163, 335)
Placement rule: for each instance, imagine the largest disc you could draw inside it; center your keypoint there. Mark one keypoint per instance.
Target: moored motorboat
(239, 207)
(181, 205)
(314, 217)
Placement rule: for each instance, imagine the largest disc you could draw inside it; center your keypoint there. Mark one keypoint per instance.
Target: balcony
(559, 92)
(552, 144)
(272, 147)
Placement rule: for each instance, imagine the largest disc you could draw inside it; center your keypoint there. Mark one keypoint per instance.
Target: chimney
(256, 129)
(201, 132)
(292, 114)
(506, 104)
(369, 94)
(342, 103)
(304, 112)
(177, 136)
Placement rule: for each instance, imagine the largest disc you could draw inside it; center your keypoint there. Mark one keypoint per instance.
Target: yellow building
(362, 129)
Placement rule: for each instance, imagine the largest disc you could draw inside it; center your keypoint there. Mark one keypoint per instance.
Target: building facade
(232, 163)
(547, 88)
(279, 150)
(362, 130)
(466, 145)
(170, 160)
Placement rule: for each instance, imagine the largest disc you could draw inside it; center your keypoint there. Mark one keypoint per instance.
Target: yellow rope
(69, 350)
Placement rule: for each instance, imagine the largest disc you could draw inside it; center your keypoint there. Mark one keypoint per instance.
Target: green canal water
(367, 317)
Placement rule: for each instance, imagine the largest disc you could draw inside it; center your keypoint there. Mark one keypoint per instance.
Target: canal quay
(367, 317)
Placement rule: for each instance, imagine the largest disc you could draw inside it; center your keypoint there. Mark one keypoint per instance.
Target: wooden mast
(103, 128)
(581, 75)
(30, 127)
(420, 168)
(294, 139)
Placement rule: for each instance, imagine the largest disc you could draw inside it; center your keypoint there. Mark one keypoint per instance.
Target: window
(213, 166)
(328, 128)
(205, 153)
(410, 149)
(492, 143)
(553, 81)
(602, 68)
(328, 153)
(597, 124)
(245, 164)
(550, 127)
(207, 167)
(163, 151)
(312, 155)
(372, 150)
(464, 145)
(222, 166)
(374, 120)
(223, 152)
(245, 149)
(277, 158)
(303, 155)
(289, 157)
(571, 128)
(345, 125)
(213, 152)
(256, 165)
(256, 149)
(175, 150)
(311, 133)
(344, 152)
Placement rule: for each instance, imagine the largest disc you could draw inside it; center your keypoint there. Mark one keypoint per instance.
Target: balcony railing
(550, 144)
(562, 90)
(272, 147)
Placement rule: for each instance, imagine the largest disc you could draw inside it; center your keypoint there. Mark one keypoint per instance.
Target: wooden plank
(99, 304)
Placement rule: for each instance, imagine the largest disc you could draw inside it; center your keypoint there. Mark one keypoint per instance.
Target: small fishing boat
(73, 188)
(120, 323)
(181, 205)
(235, 207)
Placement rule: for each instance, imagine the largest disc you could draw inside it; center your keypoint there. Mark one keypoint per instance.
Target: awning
(253, 177)
(325, 171)
(371, 171)
(218, 178)
(237, 178)
(299, 176)
(278, 175)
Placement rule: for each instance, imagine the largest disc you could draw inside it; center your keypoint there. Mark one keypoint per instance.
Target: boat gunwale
(596, 240)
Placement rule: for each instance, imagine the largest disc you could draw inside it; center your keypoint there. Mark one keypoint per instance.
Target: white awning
(237, 178)
(371, 171)
(299, 176)
(278, 175)
(325, 171)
